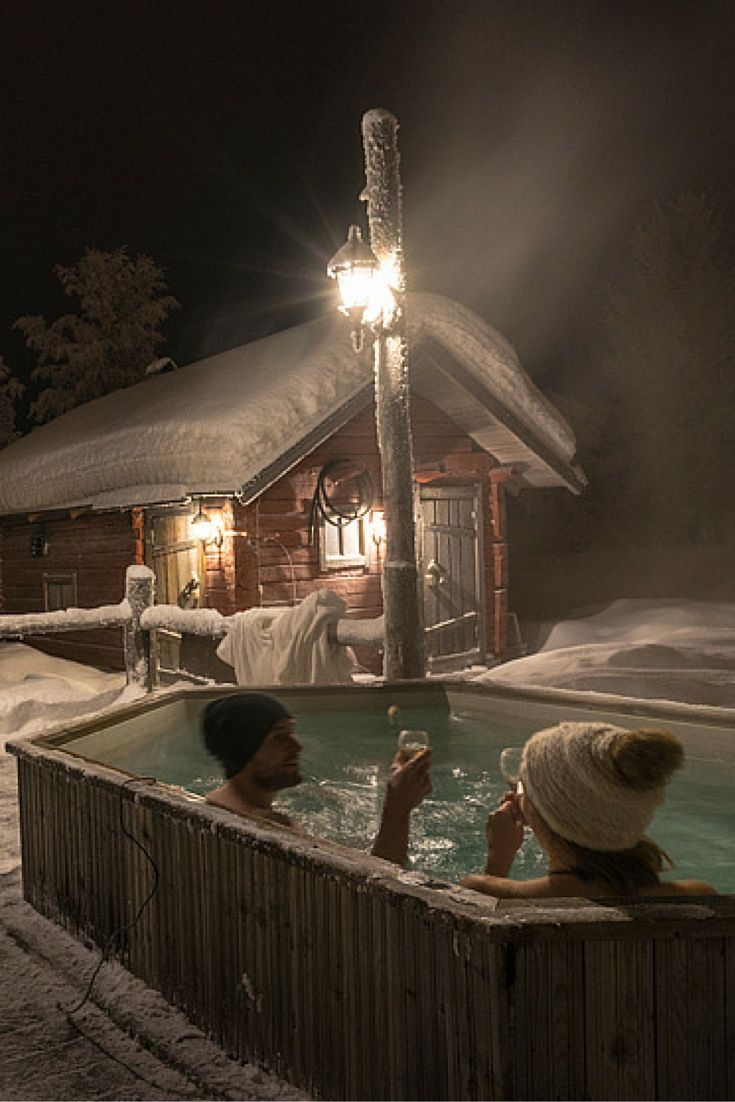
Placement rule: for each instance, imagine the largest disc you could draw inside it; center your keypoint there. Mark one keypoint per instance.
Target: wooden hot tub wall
(355, 980)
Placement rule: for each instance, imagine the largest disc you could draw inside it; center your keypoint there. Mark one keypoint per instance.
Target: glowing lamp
(201, 526)
(354, 266)
(378, 528)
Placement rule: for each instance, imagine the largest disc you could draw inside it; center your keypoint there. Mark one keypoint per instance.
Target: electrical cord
(116, 935)
(289, 556)
(120, 931)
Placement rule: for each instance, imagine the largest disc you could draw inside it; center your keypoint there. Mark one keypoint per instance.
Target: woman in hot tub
(588, 792)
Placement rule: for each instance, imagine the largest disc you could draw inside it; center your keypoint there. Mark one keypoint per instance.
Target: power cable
(117, 935)
(119, 931)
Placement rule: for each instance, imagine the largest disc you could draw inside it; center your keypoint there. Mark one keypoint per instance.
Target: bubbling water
(345, 763)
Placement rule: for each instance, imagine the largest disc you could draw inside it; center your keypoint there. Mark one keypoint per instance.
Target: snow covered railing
(141, 619)
(68, 619)
(209, 622)
(360, 633)
(192, 621)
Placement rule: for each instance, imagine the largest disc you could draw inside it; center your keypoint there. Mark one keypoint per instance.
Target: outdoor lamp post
(372, 282)
(355, 267)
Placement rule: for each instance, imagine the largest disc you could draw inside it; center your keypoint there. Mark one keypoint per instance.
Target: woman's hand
(504, 833)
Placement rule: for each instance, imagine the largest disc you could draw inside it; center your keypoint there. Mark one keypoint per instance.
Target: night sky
(223, 139)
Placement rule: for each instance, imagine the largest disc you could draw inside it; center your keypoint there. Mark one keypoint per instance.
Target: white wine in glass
(411, 743)
(510, 767)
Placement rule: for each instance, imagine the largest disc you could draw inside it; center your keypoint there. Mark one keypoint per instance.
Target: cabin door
(177, 562)
(451, 569)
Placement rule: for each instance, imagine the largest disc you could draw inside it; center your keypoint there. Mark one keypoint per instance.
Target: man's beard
(275, 780)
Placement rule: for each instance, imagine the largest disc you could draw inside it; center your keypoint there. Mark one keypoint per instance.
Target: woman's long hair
(626, 872)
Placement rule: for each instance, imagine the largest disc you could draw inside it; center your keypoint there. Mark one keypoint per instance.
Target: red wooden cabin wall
(252, 566)
(279, 520)
(97, 547)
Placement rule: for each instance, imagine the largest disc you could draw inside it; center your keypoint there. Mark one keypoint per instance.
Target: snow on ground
(37, 689)
(651, 649)
(126, 1042)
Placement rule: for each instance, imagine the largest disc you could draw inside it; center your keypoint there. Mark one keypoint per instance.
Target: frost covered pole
(140, 658)
(404, 636)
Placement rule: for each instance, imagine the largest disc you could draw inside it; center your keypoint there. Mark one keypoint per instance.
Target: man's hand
(409, 783)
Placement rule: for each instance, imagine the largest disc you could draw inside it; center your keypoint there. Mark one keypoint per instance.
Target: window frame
(58, 578)
(340, 561)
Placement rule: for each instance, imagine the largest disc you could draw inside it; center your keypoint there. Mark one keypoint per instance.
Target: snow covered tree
(669, 369)
(112, 338)
(10, 391)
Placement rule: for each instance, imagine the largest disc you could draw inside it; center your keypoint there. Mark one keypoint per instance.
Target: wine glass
(411, 743)
(510, 767)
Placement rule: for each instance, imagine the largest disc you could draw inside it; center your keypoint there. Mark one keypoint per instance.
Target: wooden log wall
(320, 964)
(499, 564)
(280, 517)
(219, 589)
(97, 548)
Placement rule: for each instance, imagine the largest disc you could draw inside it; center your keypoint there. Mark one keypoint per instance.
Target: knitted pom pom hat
(598, 785)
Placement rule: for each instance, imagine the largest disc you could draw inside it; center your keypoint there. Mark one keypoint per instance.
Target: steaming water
(345, 764)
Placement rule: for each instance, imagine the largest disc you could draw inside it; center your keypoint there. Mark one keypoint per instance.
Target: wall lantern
(377, 528)
(203, 528)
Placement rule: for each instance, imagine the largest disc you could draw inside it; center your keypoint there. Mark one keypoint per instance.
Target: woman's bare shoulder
(502, 887)
(685, 887)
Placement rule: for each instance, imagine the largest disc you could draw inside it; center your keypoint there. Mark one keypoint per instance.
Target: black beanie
(235, 726)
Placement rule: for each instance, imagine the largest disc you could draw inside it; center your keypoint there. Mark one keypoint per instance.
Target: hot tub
(355, 979)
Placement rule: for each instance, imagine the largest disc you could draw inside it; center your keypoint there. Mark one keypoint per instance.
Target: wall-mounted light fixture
(203, 528)
(377, 528)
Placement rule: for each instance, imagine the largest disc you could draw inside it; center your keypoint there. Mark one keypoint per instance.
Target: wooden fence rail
(140, 619)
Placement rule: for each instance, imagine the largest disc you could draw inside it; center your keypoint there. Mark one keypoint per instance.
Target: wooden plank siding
(219, 579)
(97, 548)
(266, 557)
(322, 964)
(282, 565)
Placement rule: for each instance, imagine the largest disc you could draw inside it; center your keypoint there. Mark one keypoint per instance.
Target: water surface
(345, 764)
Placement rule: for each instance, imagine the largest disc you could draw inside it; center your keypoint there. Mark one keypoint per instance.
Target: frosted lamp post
(372, 282)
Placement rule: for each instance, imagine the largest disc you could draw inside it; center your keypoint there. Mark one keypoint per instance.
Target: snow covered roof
(215, 426)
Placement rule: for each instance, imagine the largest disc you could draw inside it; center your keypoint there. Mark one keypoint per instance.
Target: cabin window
(59, 591)
(343, 545)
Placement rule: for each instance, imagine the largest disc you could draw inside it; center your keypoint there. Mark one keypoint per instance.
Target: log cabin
(274, 442)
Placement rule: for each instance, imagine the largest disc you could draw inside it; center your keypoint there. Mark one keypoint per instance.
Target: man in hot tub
(252, 736)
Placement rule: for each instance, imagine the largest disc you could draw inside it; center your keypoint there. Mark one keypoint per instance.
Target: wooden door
(451, 569)
(177, 562)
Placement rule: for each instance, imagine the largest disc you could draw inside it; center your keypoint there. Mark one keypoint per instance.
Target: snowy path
(45, 1056)
(125, 1043)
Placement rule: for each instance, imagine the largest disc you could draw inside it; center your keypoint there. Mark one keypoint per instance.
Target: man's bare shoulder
(225, 800)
